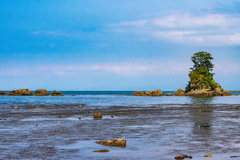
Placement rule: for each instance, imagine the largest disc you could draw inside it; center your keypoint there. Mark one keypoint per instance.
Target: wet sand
(163, 132)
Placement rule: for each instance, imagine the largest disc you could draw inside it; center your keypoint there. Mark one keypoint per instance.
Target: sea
(115, 98)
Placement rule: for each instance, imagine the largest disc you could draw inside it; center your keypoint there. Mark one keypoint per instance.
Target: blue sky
(116, 45)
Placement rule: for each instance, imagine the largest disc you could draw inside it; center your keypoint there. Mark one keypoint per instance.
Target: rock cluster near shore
(218, 91)
(26, 92)
(56, 93)
(148, 93)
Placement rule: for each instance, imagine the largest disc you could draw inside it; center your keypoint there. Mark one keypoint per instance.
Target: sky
(116, 44)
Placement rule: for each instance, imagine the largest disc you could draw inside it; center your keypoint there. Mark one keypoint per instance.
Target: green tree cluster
(200, 73)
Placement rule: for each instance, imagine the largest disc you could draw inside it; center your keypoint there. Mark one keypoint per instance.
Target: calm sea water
(114, 98)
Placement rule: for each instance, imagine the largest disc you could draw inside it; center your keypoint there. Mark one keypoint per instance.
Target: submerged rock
(41, 92)
(21, 92)
(115, 143)
(56, 93)
(169, 94)
(4, 93)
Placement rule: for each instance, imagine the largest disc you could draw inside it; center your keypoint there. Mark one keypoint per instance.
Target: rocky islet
(26, 92)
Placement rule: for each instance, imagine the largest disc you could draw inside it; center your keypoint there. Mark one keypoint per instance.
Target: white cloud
(208, 29)
(160, 67)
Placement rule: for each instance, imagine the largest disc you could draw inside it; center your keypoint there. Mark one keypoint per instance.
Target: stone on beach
(207, 155)
(21, 92)
(97, 116)
(56, 93)
(103, 150)
(41, 92)
(181, 157)
(16, 107)
(114, 143)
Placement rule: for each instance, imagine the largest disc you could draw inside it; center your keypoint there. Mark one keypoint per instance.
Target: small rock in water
(79, 118)
(153, 106)
(36, 125)
(112, 116)
(234, 156)
(73, 95)
(16, 107)
(200, 111)
(59, 117)
(4, 119)
(59, 107)
(80, 106)
(116, 143)
(207, 155)
(103, 150)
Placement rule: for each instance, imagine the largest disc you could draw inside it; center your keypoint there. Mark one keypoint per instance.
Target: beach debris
(234, 156)
(16, 107)
(97, 116)
(80, 106)
(183, 156)
(115, 143)
(103, 150)
(153, 106)
(207, 155)
(59, 107)
(41, 92)
(56, 93)
(200, 111)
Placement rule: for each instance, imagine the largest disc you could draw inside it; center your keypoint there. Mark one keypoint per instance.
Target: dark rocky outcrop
(21, 92)
(2, 93)
(148, 93)
(116, 143)
(41, 92)
(56, 93)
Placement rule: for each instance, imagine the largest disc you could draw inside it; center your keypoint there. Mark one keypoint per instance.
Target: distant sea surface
(114, 98)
